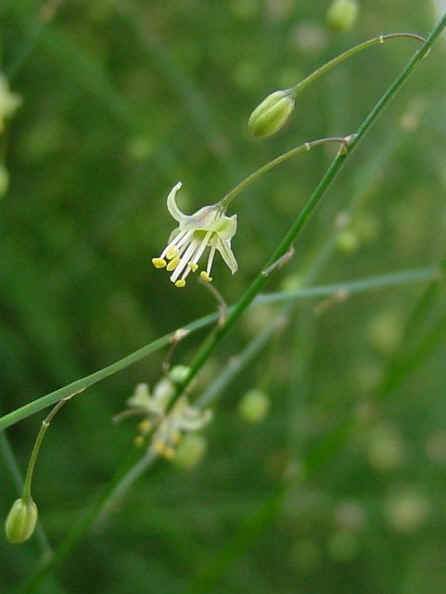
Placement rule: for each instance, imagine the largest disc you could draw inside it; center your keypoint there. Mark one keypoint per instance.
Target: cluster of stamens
(182, 254)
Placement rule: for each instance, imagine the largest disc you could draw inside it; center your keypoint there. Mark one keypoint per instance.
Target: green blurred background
(342, 487)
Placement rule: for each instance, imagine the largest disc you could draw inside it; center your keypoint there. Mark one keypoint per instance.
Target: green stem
(260, 281)
(124, 484)
(35, 452)
(239, 362)
(348, 54)
(307, 146)
(32, 461)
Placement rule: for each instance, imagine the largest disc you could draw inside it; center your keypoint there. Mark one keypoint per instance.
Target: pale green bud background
(254, 406)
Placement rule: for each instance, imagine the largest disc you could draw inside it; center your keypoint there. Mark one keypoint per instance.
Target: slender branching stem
(307, 146)
(380, 39)
(37, 444)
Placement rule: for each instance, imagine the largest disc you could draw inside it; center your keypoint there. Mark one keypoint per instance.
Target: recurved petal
(172, 205)
(224, 247)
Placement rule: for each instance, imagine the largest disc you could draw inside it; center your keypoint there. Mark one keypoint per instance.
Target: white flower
(152, 404)
(208, 228)
(168, 426)
(183, 418)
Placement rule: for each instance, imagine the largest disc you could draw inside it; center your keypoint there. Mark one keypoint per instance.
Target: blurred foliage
(341, 487)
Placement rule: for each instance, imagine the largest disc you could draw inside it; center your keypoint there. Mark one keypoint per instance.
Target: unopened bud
(21, 520)
(179, 373)
(347, 241)
(272, 113)
(190, 451)
(254, 406)
(342, 14)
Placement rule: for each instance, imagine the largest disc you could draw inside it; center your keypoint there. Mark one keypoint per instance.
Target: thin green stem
(32, 461)
(260, 281)
(127, 480)
(239, 362)
(37, 444)
(394, 279)
(355, 286)
(348, 54)
(307, 146)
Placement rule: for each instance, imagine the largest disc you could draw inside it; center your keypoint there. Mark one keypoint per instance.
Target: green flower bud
(342, 14)
(254, 406)
(272, 113)
(347, 241)
(179, 373)
(407, 511)
(190, 451)
(21, 520)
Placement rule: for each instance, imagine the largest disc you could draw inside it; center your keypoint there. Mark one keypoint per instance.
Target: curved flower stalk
(273, 112)
(208, 228)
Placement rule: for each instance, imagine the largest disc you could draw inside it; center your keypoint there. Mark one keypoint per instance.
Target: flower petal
(224, 247)
(227, 227)
(172, 205)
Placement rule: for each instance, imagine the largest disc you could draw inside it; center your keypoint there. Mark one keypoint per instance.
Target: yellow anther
(163, 450)
(172, 252)
(205, 276)
(180, 283)
(193, 266)
(145, 426)
(173, 264)
(138, 441)
(168, 453)
(158, 262)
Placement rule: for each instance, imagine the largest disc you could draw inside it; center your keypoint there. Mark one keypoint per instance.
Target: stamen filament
(210, 260)
(184, 260)
(202, 247)
(192, 264)
(175, 243)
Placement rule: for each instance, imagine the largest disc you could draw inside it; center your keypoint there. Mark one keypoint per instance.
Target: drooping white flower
(208, 228)
(168, 425)
(183, 418)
